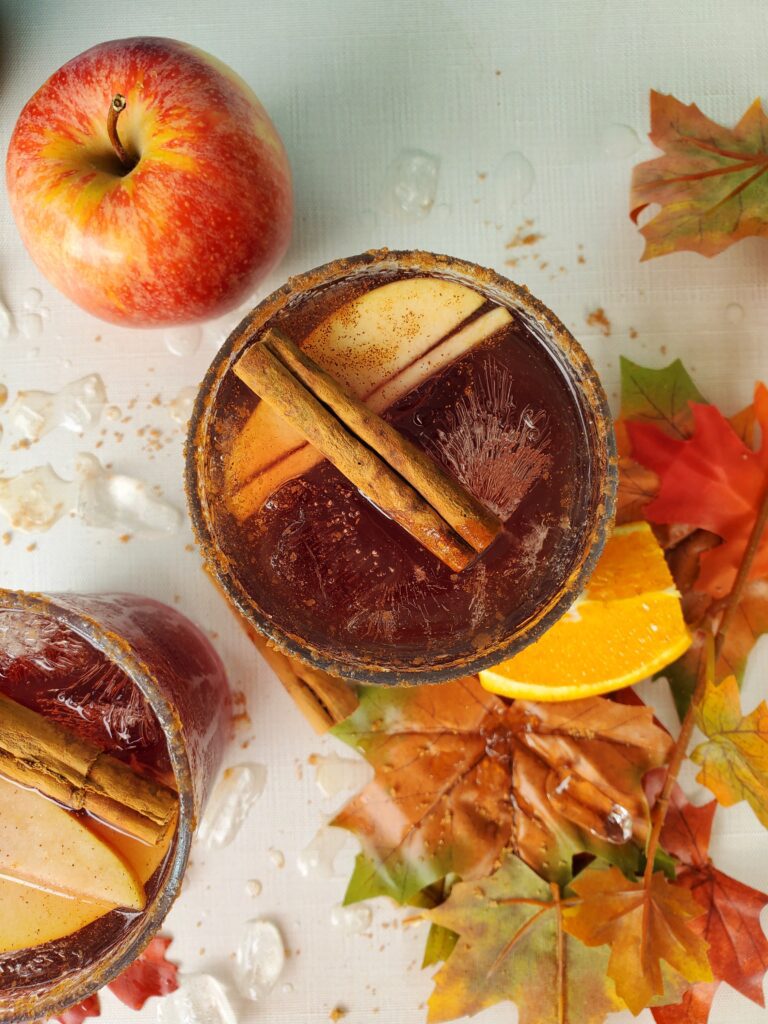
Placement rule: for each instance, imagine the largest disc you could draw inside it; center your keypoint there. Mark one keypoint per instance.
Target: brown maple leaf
(644, 926)
(710, 183)
(460, 774)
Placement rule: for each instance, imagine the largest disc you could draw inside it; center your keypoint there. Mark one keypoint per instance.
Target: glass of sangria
(469, 372)
(114, 713)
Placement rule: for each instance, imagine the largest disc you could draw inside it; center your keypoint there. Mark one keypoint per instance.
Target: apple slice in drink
(47, 852)
(381, 345)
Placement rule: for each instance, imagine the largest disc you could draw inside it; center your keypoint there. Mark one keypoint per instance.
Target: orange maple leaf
(643, 925)
(711, 182)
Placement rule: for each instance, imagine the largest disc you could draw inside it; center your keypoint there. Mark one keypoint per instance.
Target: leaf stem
(705, 674)
(561, 1004)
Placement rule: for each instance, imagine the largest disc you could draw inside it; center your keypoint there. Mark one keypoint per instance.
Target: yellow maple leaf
(734, 758)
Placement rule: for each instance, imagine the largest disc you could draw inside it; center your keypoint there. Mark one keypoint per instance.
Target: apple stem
(116, 107)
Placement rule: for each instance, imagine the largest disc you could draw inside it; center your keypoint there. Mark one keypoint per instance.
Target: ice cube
(352, 920)
(334, 774)
(75, 407)
(235, 793)
(180, 407)
(259, 960)
(200, 999)
(318, 857)
(413, 181)
(117, 502)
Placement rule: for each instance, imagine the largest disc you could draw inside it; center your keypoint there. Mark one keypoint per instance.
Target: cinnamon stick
(43, 755)
(460, 509)
(265, 374)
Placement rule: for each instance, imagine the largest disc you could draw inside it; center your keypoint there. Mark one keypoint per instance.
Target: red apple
(191, 218)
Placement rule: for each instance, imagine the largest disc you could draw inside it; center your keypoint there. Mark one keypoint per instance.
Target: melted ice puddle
(76, 407)
(37, 498)
(352, 920)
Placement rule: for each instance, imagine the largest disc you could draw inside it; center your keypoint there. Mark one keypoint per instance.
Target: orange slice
(627, 625)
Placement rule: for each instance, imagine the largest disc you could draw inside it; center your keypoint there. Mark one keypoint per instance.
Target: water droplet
(734, 313)
(75, 407)
(619, 140)
(31, 325)
(200, 999)
(277, 857)
(237, 790)
(116, 502)
(286, 988)
(618, 824)
(334, 774)
(413, 181)
(113, 413)
(31, 299)
(352, 920)
(318, 857)
(180, 407)
(259, 960)
(37, 498)
(253, 887)
(183, 341)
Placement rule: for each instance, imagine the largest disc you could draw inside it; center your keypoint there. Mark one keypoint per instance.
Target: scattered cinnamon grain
(598, 318)
(7, 538)
(337, 1013)
(632, 332)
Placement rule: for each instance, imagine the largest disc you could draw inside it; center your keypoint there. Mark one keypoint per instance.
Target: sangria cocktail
(473, 373)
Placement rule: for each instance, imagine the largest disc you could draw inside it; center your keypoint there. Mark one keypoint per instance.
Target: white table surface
(350, 84)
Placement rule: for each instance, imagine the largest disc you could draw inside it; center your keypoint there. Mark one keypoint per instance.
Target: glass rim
(575, 366)
(47, 1001)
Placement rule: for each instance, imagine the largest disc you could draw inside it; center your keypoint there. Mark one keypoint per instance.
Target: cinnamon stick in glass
(460, 509)
(266, 375)
(41, 754)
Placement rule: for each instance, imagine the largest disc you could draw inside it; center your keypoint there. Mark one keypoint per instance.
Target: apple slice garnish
(381, 345)
(48, 848)
(30, 917)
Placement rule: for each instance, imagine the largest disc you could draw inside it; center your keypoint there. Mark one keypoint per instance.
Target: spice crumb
(597, 318)
(632, 332)
(337, 1013)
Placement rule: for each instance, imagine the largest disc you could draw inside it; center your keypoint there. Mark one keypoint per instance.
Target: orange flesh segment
(627, 626)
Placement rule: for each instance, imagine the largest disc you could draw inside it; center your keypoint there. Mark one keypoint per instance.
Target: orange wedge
(627, 625)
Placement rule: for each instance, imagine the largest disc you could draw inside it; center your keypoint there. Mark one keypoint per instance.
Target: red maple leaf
(738, 947)
(713, 481)
(150, 974)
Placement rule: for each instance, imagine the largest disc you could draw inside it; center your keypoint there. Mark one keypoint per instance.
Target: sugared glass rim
(562, 346)
(49, 1000)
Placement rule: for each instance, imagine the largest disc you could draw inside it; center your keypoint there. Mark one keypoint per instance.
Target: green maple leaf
(711, 182)
(511, 946)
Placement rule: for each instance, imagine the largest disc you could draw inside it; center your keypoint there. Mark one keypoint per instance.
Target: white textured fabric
(350, 84)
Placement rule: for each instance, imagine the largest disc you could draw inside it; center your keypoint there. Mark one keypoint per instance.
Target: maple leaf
(511, 946)
(694, 1008)
(710, 183)
(730, 922)
(713, 481)
(460, 774)
(90, 1007)
(660, 397)
(644, 926)
(150, 974)
(734, 758)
